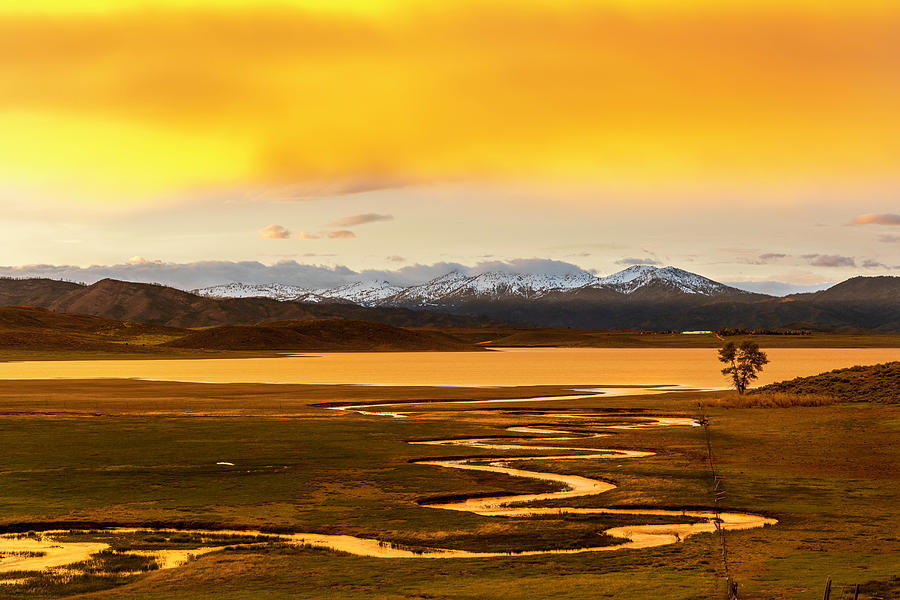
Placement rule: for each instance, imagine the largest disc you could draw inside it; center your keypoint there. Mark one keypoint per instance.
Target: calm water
(532, 366)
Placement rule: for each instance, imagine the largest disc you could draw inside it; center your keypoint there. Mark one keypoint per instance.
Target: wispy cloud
(877, 219)
(769, 257)
(874, 264)
(637, 261)
(354, 220)
(829, 260)
(889, 239)
(340, 234)
(306, 235)
(396, 259)
(274, 232)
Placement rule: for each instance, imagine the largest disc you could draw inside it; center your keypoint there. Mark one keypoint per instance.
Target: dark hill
(35, 328)
(873, 290)
(157, 304)
(327, 335)
(38, 292)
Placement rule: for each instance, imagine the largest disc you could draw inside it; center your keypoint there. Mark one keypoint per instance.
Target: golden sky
(124, 100)
(744, 134)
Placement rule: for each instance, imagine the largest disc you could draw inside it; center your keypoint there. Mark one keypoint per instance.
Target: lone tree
(744, 361)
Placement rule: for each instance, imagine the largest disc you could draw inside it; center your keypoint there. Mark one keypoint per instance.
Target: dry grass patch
(771, 400)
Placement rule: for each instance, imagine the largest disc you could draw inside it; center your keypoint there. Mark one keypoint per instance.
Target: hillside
(31, 328)
(37, 291)
(161, 305)
(327, 335)
(872, 383)
(859, 289)
(35, 328)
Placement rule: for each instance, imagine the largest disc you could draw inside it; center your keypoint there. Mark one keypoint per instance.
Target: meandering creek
(50, 550)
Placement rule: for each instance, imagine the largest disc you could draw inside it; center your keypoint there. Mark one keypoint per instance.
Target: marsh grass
(771, 400)
(827, 472)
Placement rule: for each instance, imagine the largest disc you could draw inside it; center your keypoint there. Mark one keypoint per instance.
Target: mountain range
(640, 298)
(456, 288)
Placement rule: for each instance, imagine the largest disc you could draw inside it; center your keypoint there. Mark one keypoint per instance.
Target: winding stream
(49, 551)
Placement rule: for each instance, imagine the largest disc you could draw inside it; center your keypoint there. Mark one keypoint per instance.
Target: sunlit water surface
(508, 367)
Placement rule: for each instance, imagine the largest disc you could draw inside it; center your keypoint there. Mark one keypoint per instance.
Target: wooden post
(856, 592)
(827, 589)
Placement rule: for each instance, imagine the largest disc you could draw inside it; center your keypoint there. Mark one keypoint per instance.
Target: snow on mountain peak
(456, 286)
(278, 291)
(366, 293)
(638, 276)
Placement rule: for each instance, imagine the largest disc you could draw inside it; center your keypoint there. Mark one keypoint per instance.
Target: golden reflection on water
(526, 366)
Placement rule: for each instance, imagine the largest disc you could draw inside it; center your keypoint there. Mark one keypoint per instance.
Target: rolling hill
(35, 328)
(326, 335)
(161, 305)
(38, 329)
(870, 383)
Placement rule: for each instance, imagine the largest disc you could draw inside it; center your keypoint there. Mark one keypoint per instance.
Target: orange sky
(580, 130)
(117, 101)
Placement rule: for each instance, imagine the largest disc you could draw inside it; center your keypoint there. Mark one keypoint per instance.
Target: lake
(696, 367)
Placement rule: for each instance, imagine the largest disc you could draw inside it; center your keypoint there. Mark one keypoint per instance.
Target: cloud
(274, 232)
(768, 257)
(877, 219)
(396, 258)
(207, 273)
(528, 266)
(312, 189)
(829, 260)
(889, 239)
(340, 234)
(637, 261)
(188, 67)
(874, 264)
(305, 235)
(354, 220)
(140, 260)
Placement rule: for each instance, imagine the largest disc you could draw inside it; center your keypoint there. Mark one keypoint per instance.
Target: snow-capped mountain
(457, 286)
(641, 276)
(431, 292)
(277, 291)
(364, 293)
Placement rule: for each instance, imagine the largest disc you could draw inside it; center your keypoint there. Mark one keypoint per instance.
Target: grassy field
(127, 452)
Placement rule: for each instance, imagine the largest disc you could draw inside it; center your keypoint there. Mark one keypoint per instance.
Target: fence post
(827, 589)
(856, 592)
